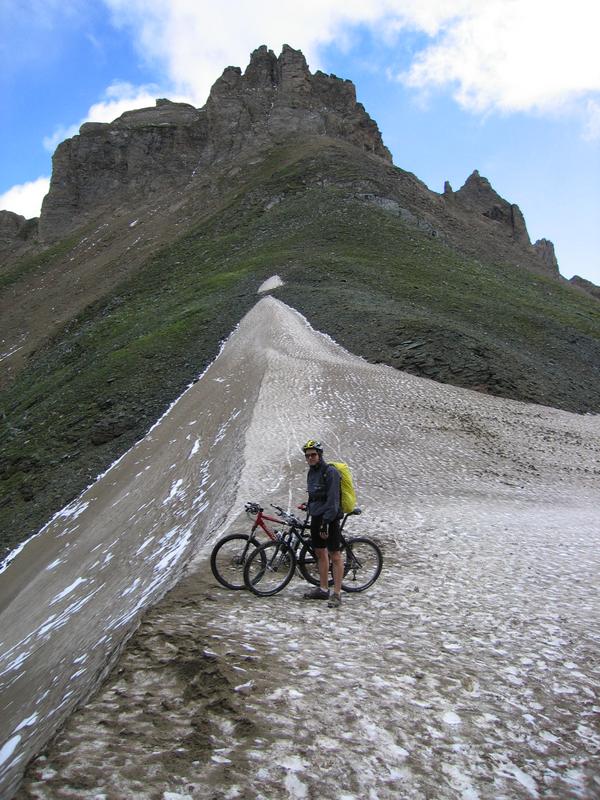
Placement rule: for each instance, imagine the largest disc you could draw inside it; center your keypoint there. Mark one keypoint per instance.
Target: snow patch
(9, 748)
(271, 283)
(67, 590)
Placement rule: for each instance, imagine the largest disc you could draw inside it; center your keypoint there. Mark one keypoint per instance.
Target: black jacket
(323, 484)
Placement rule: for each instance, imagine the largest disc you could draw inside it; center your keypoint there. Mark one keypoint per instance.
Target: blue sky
(508, 87)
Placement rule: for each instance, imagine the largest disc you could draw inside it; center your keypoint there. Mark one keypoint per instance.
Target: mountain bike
(270, 567)
(230, 554)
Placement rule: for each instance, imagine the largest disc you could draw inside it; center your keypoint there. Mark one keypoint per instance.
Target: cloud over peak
(495, 56)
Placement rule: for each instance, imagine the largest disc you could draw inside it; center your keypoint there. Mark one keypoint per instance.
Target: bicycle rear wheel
(269, 568)
(228, 558)
(363, 561)
(309, 566)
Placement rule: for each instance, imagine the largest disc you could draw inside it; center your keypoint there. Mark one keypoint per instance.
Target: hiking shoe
(316, 594)
(335, 601)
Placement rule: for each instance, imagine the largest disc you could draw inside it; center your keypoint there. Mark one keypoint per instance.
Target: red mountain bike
(230, 554)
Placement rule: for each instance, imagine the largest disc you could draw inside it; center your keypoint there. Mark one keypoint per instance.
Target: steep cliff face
(277, 98)
(140, 154)
(151, 151)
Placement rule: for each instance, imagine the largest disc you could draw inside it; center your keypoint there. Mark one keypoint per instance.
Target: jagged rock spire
(477, 194)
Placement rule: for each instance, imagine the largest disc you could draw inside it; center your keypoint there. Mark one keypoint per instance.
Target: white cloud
(591, 130)
(494, 55)
(121, 97)
(514, 55)
(26, 198)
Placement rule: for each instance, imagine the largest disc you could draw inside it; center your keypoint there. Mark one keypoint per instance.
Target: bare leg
(338, 570)
(323, 557)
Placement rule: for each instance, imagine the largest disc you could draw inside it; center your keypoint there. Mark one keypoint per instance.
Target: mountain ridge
(104, 327)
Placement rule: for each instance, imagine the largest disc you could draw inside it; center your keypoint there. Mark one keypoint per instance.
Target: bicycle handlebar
(291, 519)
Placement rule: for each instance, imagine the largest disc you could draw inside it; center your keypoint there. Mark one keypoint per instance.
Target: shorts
(333, 542)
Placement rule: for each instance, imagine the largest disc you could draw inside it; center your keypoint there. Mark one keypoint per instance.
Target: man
(323, 484)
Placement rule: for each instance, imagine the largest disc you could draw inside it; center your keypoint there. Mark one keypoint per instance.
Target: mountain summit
(151, 153)
(156, 150)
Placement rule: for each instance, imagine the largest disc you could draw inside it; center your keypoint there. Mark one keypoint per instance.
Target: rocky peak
(477, 194)
(151, 151)
(278, 97)
(545, 250)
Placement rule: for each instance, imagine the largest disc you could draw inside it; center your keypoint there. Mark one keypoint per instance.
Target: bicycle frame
(261, 519)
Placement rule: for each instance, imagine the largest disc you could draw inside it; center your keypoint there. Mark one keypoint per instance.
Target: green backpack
(347, 493)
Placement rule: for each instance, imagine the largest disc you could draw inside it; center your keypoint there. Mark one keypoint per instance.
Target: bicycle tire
(228, 558)
(269, 568)
(309, 566)
(363, 562)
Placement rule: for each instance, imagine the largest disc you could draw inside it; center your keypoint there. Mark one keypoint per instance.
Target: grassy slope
(99, 384)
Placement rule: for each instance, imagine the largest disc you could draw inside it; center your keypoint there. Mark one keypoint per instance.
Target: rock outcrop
(147, 152)
(545, 250)
(16, 232)
(140, 154)
(478, 195)
(497, 228)
(587, 286)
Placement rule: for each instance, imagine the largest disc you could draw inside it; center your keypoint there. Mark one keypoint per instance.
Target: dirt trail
(469, 671)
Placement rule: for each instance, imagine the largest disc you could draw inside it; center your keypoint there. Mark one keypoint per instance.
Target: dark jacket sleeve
(332, 503)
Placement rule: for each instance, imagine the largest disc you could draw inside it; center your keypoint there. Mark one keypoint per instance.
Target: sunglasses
(310, 455)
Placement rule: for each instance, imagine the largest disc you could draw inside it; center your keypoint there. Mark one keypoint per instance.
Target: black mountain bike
(270, 567)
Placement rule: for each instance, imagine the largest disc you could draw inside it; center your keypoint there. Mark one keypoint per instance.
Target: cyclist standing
(323, 484)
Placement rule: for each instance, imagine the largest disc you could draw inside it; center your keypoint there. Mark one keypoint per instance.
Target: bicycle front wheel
(228, 558)
(363, 561)
(269, 568)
